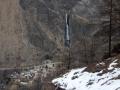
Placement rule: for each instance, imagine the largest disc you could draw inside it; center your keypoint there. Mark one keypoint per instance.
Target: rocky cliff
(33, 30)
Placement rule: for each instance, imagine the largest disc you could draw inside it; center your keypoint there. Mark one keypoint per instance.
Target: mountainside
(33, 30)
(14, 49)
(32, 38)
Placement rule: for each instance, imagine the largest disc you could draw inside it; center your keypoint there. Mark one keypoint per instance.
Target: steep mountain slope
(11, 32)
(33, 30)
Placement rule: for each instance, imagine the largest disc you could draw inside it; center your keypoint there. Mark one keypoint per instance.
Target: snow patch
(78, 79)
(114, 63)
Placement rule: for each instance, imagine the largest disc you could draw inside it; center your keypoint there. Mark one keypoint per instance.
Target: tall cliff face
(11, 32)
(32, 29)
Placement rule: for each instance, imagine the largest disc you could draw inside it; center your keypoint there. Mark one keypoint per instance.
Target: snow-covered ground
(79, 79)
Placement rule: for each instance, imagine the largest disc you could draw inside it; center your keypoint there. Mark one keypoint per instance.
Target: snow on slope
(79, 79)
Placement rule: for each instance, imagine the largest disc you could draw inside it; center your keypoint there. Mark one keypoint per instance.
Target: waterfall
(67, 31)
